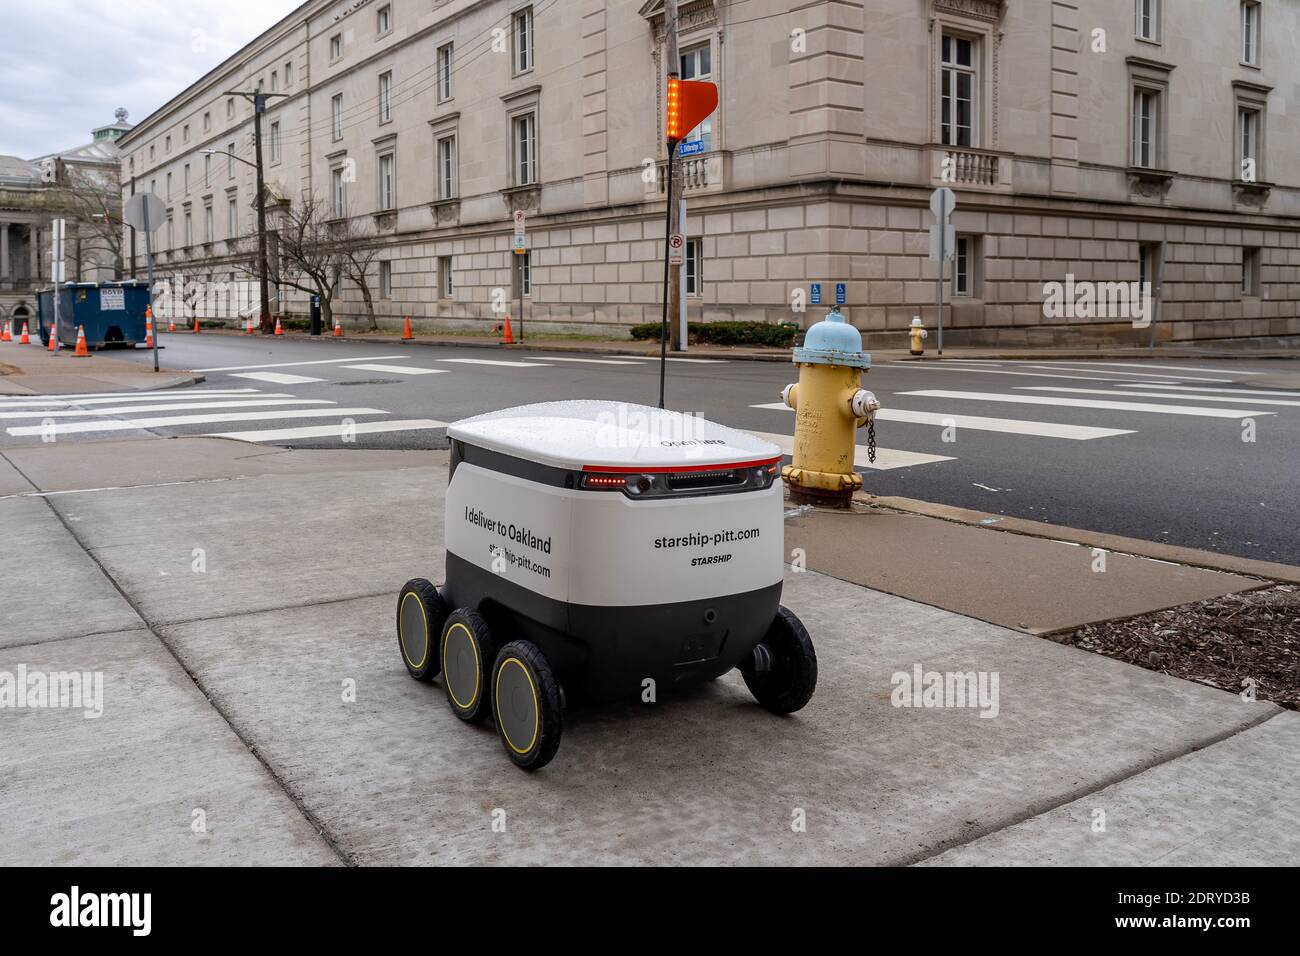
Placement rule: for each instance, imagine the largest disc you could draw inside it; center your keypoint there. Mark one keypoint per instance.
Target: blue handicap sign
(841, 294)
(816, 293)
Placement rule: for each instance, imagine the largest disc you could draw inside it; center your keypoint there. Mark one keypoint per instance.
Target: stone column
(34, 246)
(4, 252)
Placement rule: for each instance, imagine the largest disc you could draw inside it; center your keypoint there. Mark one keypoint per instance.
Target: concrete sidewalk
(31, 370)
(232, 595)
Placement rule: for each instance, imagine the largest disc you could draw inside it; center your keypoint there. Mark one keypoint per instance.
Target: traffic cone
(24, 340)
(171, 324)
(278, 329)
(407, 336)
(148, 328)
(4, 335)
(338, 328)
(82, 351)
(196, 325)
(53, 343)
(509, 338)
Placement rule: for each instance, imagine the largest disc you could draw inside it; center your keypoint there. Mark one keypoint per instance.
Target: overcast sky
(65, 65)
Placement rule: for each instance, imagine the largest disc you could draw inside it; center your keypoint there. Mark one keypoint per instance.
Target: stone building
(1109, 141)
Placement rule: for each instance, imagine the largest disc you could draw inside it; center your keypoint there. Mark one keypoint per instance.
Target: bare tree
(357, 251)
(92, 198)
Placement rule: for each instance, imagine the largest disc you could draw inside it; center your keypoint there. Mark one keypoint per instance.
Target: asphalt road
(1183, 475)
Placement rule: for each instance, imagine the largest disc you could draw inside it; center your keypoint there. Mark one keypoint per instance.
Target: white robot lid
(604, 436)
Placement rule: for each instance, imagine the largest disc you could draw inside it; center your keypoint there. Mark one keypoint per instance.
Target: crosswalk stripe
(998, 371)
(887, 459)
(108, 399)
(1217, 391)
(72, 428)
(1193, 410)
(589, 361)
(1176, 378)
(277, 378)
(466, 361)
(397, 369)
(672, 358)
(338, 361)
(1167, 368)
(1243, 399)
(1009, 426)
(332, 431)
(129, 409)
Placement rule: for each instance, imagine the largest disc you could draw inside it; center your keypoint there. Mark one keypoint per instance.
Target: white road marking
(655, 358)
(129, 409)
(133, 397)
(277, 378)
(1175, 378)
(332, 431)
(397, 369)
(994, 371)
(887, 459)
(340, 361)
(1009, 426)
(1192, 410)
(1243, 399)
(587, 361)
(1167, 368)
(1217, 391)
(163, 422)
(465, 361)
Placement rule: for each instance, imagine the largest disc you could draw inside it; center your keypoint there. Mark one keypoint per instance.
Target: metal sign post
(942, 202)
(520, 249)
(56, 272)
(145, 212)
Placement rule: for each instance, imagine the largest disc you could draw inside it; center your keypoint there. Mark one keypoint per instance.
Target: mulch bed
(1221, 642)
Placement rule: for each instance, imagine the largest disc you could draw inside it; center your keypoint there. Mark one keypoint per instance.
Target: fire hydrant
(830, 406)
(918, 334)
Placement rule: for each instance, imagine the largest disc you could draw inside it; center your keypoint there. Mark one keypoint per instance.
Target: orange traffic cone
(148, 328)
(196, 325)
(4, 333)
(249, 329)
(24, 340)
(53, 343)
(171, 323)
(406, 335)
(509, 338)
(82, 351)
(278, 329)
(338, 328)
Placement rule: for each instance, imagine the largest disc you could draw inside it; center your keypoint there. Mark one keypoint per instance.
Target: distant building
(79, 185)
(1115, 142)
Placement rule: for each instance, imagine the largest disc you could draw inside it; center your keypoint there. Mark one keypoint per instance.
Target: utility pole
(672, 273)
(258, 99)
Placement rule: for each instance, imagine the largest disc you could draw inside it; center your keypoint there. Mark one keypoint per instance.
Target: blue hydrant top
(832, 341)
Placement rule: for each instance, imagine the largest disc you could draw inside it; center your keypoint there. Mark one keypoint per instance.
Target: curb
(1152, 550)
(175, 381)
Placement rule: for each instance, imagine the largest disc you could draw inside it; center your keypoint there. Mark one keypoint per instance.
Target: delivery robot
(596, 550)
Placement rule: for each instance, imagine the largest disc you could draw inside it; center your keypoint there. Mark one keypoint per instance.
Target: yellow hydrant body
(830, 405)
(918, 335)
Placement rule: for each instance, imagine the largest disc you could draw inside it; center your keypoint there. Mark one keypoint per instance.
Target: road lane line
(501, 362)
(887, 459)
(341, 361)
(655, 358)
(132, 397)
(1167, 368)
(1217, 391)
(1191, 410)
(1008, 426)
(397, 369)
(277, 378)
(73, 428)
(993, 371)
(332, 431)
(589, 361)
(1244, 399)
(130, 409)
(1175, 378)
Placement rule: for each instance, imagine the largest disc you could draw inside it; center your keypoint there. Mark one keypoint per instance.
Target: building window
(694, 267)
(336, 115)
(288, 74)
(185, 170)
(1250, 33)
(207, 122)
(189, 228)
(385, 279)
(386, 184)
(153, 186)
(697, 64)
(207, 171)
(169, 185)
(523, 40)
(447, 167)
(338, 192)
(385, 96)
(171, 231)
(445, 287)
(336, 47)
(230, 108)
(275, 80)
(230, 160)
(525, 149)
(383, 19)
(1146, 128)
(151, 153)
(232, 218)
(1148, 20)
(444, 70)
(523, 274)
(167, 145)
(958, 86)
(185, 133)
(207, 223)
(1248, 122)
(1250, 269)
(1148, 265)
(965, 280)
(275, 141)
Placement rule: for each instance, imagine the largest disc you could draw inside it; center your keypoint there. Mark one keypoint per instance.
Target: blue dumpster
(112, 313)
